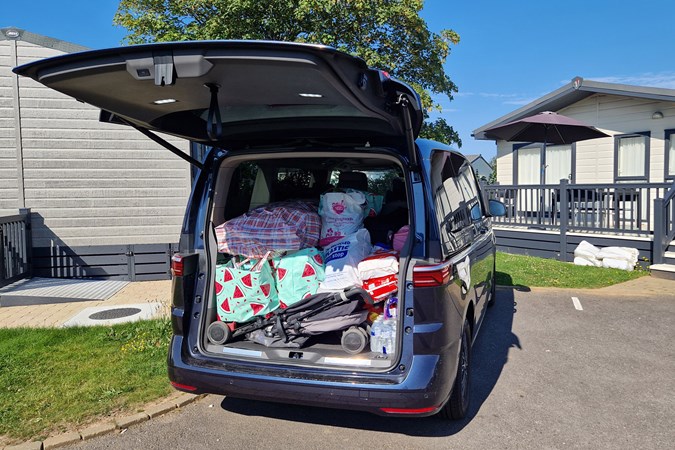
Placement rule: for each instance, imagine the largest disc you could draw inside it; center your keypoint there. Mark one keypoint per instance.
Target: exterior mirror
(497, 208)
(476, 213)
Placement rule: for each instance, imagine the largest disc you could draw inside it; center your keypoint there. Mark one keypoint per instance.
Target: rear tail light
(432, 275)
(183, 387)
(409, 410)
(177, 265)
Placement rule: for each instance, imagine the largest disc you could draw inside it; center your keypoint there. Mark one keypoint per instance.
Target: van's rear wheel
(458, 405)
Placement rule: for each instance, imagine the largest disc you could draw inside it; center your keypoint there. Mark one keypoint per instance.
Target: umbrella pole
(542, 179)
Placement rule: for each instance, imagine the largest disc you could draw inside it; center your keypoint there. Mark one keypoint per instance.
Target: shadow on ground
(504, 279)
(490, 355)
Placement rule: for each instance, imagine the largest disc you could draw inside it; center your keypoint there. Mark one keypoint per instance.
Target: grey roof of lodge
(18, 34)
(574, 91)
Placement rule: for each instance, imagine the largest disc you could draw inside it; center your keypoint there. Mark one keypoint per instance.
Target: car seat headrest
(353, 180)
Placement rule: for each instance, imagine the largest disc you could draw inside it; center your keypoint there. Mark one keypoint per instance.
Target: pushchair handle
(367, 298)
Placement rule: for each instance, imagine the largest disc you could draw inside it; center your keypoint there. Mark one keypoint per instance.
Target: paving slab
(37, 290)
(61, 440)
(56, 314)
(97, 430)
(158, 410)
(185, 399)
(33, 445)
(127, 421)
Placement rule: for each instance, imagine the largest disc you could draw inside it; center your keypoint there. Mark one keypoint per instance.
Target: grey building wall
(86, 182)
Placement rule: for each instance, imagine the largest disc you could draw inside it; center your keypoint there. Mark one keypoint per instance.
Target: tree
(387, 34)
(492, 179)
(439, 130)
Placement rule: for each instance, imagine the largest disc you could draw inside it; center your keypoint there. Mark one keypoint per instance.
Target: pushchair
(292, 326)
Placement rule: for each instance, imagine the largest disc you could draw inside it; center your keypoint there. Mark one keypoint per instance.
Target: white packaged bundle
(379, 264)
(581, 261)
(623, 253)
(342, 259)
(586, 254)
(613, 263)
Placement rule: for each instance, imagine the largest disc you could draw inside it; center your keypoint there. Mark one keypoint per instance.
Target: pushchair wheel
(354, 340)
(218, 333)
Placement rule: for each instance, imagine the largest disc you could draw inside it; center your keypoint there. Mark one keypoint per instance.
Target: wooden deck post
(659, 232)
(564, 217)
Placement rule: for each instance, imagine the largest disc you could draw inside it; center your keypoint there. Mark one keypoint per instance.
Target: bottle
(388, 340)
(390, 308)
(376, 334)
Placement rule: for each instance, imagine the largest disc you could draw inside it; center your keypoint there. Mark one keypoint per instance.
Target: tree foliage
(492, 179)
(387, 34)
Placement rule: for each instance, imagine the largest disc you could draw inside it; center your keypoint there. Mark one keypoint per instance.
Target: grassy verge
(52, 379)
(528, 271)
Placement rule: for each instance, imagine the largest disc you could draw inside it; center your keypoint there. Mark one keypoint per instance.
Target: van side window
(467, 182)
(451, 186)
(241, 189)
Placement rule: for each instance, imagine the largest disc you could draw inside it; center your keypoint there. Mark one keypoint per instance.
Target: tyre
(458, 404)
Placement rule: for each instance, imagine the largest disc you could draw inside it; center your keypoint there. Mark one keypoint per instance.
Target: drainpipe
(13, 36)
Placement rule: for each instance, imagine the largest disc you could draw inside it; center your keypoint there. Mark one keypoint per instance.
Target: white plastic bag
(342, 214)
(342, 259)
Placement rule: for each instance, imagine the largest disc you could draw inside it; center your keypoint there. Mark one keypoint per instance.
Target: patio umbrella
(546, 127)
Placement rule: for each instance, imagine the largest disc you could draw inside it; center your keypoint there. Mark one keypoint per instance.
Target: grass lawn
(52, 379)
(528, 271)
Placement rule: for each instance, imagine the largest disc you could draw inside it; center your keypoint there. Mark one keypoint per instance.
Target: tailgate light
(409, 410)
(432, 275)
(177, 265)
(183, 387)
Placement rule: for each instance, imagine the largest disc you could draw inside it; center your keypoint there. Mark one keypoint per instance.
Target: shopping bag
(273, 227)
(245, 289)
(342, 260)
(298, 275)
(342, 214)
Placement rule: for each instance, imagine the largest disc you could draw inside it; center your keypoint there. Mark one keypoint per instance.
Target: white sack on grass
(612, 263)
(586, 254)
(583, 261)
(623, 253)
(587, 250)
(342, 259)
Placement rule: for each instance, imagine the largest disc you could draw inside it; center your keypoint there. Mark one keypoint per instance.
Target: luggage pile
(295, 270)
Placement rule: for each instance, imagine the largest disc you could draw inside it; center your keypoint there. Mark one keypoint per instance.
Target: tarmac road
(545, 375)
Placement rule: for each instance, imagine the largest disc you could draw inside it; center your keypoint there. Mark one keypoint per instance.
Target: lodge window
(670, 155)
(631, 157)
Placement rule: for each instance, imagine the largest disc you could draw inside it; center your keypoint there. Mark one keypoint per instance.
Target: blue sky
(511, 51)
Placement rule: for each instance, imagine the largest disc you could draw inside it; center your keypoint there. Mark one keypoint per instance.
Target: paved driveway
(545, 375)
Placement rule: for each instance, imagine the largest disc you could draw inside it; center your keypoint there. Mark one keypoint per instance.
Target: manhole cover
(114, 313)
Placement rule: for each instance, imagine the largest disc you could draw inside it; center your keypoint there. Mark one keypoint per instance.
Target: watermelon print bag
(298, 275)
(244, 290)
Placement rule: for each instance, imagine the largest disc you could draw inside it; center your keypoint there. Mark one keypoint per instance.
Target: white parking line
(577, 304)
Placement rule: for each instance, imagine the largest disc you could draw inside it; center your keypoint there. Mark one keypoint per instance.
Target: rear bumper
(421, 390)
